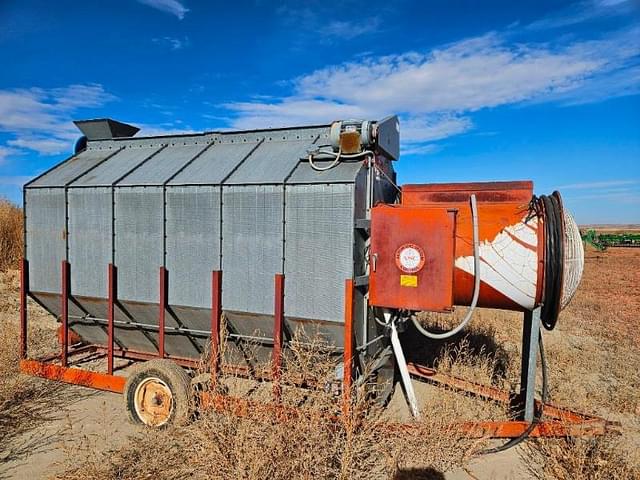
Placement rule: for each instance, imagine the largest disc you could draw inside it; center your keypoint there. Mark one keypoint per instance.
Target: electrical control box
(412, 257)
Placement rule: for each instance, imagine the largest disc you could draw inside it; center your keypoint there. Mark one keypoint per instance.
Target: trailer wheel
(158, 393)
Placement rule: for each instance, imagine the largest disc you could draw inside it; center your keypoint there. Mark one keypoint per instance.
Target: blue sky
(548, 91)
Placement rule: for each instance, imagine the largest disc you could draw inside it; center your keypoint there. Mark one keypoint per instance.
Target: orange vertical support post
(347, 381)
(64, 313)
(24, 287)
(216, 314)
(113, 295)
(278, 322)
(162, 311)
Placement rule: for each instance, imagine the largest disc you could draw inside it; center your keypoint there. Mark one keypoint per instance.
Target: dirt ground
(593, 355)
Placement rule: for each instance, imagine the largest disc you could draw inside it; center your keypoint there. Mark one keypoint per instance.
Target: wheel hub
(153, 402)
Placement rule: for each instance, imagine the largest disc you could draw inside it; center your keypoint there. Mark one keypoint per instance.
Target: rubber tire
(178, 382)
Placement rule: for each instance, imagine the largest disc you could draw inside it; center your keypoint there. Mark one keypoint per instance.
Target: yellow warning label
(408, 280)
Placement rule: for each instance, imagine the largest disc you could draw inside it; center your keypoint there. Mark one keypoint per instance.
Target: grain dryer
(140, 245)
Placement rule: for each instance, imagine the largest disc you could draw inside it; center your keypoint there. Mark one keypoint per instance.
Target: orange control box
(411, 257)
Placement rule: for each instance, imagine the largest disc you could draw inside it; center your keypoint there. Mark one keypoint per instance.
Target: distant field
(612, 228)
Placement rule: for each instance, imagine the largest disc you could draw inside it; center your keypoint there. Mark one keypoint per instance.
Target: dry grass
(10, 235)
(24, 402)
(310, 445)
(601, 458)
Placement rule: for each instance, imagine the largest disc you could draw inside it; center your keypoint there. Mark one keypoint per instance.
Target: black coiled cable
(550, 208)
(537, 416)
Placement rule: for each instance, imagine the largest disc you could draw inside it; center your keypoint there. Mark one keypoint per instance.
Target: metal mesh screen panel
(46, 245)
(139, 242)
(89, 240)
(318, 249)
(193, 243)
(573, 259)
(251, 246)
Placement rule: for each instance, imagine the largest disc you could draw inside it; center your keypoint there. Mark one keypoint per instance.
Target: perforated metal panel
(193, 243)
(251, 246)
(139, 242)
(89, 240)
(318, 249)
(46, 245)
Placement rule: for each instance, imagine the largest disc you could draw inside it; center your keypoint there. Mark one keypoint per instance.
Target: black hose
(536, 418)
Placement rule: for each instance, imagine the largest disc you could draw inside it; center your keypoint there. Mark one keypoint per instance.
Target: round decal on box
(410, 258)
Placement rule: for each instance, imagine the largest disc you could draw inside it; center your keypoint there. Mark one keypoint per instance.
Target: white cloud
(582, 12)
(174, 7)
(349, 30)
(40, 119)
(6, 152)
(172, 43)
(435, 92)
(308, 23)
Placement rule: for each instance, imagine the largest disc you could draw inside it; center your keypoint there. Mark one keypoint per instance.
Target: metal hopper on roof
(105, 128)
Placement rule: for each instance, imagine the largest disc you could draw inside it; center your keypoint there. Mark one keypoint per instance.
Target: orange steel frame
(560, 422)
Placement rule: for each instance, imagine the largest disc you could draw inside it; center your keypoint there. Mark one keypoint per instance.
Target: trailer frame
(65, 366)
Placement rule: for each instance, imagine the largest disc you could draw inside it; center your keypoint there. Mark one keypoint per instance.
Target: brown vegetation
(10, 235)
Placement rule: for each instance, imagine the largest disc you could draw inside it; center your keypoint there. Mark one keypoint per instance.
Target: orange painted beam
(75, 376)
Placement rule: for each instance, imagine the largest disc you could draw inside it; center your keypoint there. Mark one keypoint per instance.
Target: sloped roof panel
(71, 168)
(271, 162)
(215, 164)
(162, 166)
(115, 167)
(343, 172)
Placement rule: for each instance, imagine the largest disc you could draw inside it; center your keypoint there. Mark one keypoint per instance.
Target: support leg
(530, 337)
(64, 313)
(347, 380)
(163, 310)
(113, 295)
(216, 313)
(24, 288)
(277, 335)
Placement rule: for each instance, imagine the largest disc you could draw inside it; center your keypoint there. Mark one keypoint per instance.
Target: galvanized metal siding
(215, 164)
(163, 165)
(72, 168)
(89, 240)
(193, 243)
(251, 246)
(46, 245)
(113, 169)
(139, 242)
(318, 249)
(272, 162)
